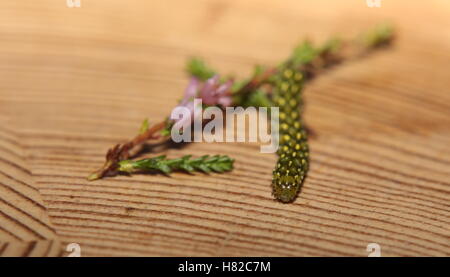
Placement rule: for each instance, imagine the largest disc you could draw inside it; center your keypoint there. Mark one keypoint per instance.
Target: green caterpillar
(293, 151)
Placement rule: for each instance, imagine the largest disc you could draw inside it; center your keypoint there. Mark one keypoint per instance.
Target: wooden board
(74, 81)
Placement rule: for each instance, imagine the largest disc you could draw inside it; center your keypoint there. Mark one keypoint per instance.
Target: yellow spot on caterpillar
(298, 76)
(297, 147)
(284, 86)
(288, 73)
(281, 101)
(292, 102)
(286, 137)
(282, 116)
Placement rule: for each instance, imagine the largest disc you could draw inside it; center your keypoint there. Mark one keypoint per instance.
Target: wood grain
(25, 228)
(74, 81)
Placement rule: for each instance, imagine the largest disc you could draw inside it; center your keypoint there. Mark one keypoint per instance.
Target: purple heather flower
(191, 91)
(211, 92)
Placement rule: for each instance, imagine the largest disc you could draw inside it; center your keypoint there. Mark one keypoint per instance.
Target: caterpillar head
(285, 188)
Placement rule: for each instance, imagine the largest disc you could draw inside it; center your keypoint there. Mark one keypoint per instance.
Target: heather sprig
(144, 126)
(206, 164)
(196, 67)
(306, 56)
(380, 35)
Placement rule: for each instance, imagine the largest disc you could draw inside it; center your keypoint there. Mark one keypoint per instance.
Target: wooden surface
(74, 81)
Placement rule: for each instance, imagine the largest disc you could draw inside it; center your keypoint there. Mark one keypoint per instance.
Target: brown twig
(122, 151)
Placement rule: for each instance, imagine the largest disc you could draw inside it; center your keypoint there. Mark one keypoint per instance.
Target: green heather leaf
(378, 36)
(160, 158)
(204, 168)
(238, 85)
(304, 53)
(258, 70)
(196, 67)
(187, 167)
(144, 126)
(164, 168)
(257, 98)
(331, 46)
(167, 130)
